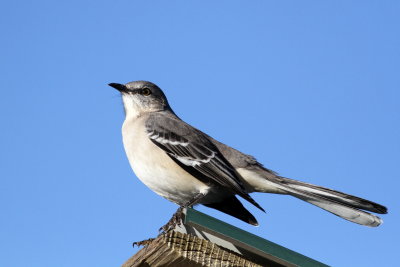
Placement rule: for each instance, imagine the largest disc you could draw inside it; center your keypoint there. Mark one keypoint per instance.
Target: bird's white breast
(155, 168)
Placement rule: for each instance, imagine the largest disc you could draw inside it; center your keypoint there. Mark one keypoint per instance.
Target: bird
(188, 167)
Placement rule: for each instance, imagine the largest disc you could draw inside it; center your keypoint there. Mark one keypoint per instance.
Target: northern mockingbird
(188, 167)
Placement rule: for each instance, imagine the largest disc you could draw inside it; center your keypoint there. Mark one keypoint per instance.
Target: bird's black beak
(120, 87)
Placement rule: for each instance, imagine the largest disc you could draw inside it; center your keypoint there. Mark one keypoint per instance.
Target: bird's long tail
(343, 205)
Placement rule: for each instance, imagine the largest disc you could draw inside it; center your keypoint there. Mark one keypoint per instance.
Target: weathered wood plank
(182, 250)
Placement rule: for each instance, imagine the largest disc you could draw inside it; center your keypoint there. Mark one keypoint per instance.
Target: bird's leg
(177, 218)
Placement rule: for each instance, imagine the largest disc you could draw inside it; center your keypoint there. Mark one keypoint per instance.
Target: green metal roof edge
(285, 254)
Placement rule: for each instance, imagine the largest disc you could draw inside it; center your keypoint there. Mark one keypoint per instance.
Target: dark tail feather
(251, 200)
(233, 207)
(340, 197)
(343, 205)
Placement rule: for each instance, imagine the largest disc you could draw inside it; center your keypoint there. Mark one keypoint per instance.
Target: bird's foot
(176, 220)
(143, 243)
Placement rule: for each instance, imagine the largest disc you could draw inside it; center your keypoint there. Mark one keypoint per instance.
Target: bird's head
(140, 97)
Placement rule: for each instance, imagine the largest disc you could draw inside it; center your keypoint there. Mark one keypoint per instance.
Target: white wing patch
(193, 162)
(166, 141)
(188, 161)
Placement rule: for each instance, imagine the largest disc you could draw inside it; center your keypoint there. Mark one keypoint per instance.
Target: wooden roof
(205, 241)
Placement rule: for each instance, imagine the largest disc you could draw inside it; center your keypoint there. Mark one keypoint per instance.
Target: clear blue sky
(310, 88)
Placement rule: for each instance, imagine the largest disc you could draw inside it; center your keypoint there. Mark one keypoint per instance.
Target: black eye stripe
(144, 91)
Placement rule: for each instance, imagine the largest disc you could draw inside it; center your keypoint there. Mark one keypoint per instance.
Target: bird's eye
(146, 91)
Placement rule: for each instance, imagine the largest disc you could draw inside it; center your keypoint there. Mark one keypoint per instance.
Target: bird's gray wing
(193, 151)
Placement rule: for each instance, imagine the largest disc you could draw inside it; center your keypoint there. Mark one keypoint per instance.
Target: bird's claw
(143, 243)
(176, 220)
